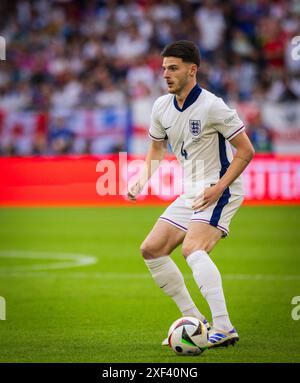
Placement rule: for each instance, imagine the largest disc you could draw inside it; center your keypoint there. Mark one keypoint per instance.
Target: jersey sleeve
(156, 131)
(225, 120)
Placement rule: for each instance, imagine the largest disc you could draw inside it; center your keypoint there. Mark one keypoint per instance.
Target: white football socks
(208, 279)
(169, 278)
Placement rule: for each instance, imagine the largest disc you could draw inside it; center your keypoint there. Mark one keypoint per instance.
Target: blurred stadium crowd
(95, 54)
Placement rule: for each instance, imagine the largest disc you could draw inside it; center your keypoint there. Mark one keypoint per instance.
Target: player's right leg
(156, 250)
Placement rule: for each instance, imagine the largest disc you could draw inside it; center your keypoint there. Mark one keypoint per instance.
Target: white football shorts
(219, 214)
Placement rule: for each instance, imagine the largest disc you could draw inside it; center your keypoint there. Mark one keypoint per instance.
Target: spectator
(211, 25)
(60, 136)
(109, 96)
(260, 135)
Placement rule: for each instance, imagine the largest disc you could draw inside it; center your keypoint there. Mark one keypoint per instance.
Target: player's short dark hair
(183, 49)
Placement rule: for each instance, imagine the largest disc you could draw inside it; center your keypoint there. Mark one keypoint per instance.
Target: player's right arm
(155, 155)
(156, 152)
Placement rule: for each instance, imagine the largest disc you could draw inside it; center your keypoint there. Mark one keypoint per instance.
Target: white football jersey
(199, 131)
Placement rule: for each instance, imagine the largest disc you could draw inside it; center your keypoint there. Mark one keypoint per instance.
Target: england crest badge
(195, 127)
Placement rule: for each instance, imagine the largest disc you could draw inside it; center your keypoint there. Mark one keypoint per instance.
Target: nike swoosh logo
(168, 127)
(163, 286)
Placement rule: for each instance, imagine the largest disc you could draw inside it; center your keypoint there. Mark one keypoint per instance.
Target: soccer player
(199, 126)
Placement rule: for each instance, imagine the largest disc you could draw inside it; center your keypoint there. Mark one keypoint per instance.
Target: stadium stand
(81, 76)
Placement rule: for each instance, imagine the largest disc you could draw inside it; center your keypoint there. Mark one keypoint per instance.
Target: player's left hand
(207, 198)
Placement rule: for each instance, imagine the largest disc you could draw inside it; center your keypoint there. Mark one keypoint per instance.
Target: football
(187, 336)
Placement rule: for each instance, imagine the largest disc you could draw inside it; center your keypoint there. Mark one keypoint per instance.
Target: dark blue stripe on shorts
(226, 194)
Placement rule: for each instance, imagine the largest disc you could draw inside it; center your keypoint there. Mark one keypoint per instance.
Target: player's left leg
(198, 243)
(203, 234)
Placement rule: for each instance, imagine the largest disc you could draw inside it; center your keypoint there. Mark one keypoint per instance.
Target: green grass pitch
(111, 311)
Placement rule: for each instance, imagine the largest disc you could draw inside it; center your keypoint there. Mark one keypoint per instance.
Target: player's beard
(182, 83)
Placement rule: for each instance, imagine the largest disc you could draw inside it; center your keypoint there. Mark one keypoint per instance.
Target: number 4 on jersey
(183, 151)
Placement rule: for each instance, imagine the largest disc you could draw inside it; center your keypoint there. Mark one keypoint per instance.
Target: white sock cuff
(195, 257)
(168, 276)
(157, 262)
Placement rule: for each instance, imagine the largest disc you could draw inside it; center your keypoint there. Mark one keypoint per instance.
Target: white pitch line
(70, 260)
(144, 276)
(266, 277)
(73, 260)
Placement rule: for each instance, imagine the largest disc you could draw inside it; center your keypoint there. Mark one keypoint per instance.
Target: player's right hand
(133, 191)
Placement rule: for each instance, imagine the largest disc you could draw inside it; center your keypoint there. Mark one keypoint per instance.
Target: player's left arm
(244, 154)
